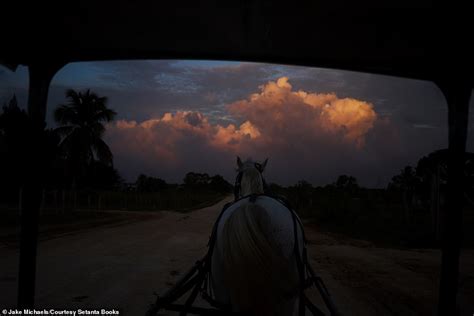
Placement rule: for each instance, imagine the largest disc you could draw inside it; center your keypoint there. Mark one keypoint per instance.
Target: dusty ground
(119, 265)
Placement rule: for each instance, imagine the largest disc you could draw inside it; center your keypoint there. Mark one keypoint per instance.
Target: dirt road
(121, 265)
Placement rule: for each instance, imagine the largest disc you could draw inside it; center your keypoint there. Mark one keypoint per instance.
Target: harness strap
(303, 266)
(299, 264)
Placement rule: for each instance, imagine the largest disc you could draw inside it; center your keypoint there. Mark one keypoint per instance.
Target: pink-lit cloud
(277, 121)
(278, 111)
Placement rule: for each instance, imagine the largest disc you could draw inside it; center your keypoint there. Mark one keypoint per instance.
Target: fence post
(435, 201)
(75, 200)
(56, 201)
(43, 195)
(64, 201)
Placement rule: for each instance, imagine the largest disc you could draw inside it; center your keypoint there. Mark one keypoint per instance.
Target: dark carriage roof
(406, 38)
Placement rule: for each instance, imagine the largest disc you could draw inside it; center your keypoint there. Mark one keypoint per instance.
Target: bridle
(238, 181)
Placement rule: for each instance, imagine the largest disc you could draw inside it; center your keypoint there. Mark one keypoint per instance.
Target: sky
(176, 116)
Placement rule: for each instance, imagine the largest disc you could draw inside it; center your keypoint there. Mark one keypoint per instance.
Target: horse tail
(259, 279)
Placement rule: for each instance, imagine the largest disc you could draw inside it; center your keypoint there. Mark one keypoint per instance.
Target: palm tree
(81, 129)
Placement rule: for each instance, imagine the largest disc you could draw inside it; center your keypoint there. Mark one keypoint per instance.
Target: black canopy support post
(457, 93)
(40, 76)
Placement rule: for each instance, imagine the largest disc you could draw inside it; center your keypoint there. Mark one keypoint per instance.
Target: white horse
(254, 266)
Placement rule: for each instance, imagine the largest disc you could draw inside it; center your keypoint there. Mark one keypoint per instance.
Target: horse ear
(239, 162)
(264, 164)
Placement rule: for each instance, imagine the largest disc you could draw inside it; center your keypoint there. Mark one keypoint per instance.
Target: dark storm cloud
(144, 89)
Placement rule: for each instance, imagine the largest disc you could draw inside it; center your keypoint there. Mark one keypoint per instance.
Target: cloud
(279, 111)
(275, 122)
(166, 146)
(317, 150)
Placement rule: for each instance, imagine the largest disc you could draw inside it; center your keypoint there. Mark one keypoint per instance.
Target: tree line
(75, 156)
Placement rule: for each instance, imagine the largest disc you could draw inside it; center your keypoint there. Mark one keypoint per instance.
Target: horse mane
(259, 278)
(252, 182)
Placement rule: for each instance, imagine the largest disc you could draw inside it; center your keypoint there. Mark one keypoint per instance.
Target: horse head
(249, 178)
